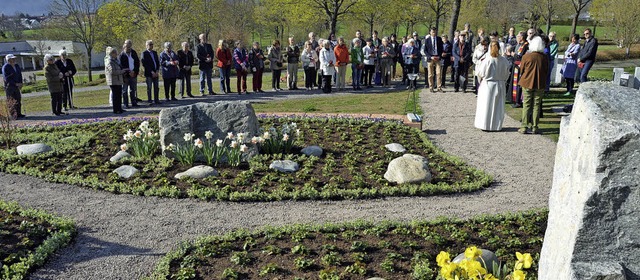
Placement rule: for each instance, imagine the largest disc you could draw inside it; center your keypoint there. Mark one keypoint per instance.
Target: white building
(30, 54)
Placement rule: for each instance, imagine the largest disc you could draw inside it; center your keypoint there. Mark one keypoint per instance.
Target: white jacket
(327, 62)
(369, 55)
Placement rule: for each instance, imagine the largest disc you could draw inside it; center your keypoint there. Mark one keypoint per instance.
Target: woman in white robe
(494, 72)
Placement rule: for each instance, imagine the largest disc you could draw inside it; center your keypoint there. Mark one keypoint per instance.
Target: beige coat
(114, 73)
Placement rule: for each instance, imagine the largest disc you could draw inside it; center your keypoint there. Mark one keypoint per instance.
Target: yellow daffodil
(490, 277)
(524, 260)
(443, 258)
(472, 252)
(518, 275)
(447, 270)
(473, 268)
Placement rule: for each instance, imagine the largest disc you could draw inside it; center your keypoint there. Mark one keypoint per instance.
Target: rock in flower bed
(28, 237)
(357, 250)
(352, 165)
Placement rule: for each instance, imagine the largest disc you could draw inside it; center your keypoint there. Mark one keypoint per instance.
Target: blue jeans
(549, 75)
(129, 89)
(356, 74)
(225, 79)
(156, 90)
(585, 70)
(206, 73)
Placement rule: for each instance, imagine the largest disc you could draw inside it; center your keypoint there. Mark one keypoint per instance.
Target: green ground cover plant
(28, 237)
(352, 166)
(356, 250)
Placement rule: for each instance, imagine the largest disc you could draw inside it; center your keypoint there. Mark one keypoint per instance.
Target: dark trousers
(404, 72)
(326, 83)
(13, 95)
(443, 75)
(169, 88)
(257, 80)
(570, 84)
(393, 69)
(152, 83)
(309, 77)
(185, 84)
(585, 70)
(129, 89)
(116, 98)
(461, 71)
(241, 82)
(369, 70)
(67, 94)
(275, 78)
(320, 77)
(56, 102)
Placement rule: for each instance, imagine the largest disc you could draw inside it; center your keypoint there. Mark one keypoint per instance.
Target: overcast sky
(32, 7)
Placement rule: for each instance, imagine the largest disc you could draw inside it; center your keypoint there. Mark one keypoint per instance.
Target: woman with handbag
(275, 59)
(309, 58)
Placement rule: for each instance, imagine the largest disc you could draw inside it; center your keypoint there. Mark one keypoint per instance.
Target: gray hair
(148, 42)
(326, 43)
(411, 41)
(355, 40)
(48, 57)
(536, 44)
(184, 44)
(128, 41)
(63, 53)
(167, 45)
(111, 50)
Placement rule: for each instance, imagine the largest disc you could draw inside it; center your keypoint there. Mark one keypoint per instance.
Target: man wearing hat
(68, 69)
(12, 75)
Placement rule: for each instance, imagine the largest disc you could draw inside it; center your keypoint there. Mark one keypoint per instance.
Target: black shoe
(74, 107)
(174, 99)
(135, 105)
(516, 105)
(212, 93)
(138, 100)
(66, 109)
(190, 95)
(456, 90)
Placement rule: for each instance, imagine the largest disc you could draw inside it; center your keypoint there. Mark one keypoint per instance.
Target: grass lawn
(550, 123)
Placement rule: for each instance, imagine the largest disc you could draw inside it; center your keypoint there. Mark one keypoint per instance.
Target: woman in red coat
(223, 54)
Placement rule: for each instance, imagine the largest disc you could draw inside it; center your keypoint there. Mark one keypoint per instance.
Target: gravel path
(123, 236)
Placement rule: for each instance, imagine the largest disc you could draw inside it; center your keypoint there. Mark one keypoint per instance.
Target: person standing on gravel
(151, 63)
(533, 80)
(129, 58)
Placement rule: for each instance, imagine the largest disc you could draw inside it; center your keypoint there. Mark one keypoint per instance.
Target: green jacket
(357, 56)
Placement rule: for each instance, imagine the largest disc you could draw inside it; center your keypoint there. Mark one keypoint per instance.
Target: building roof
(37, 48)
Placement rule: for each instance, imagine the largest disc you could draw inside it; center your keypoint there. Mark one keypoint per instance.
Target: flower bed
(357, 250)
(352, 166)
(28, 237)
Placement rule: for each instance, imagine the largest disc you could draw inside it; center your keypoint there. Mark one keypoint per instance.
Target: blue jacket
(169, 71)
(240, 57)
(410, 51)
(11, 76)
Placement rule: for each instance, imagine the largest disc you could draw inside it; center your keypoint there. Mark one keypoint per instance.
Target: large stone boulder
(31, 149)
(488, 259)
(219, 118)
(408, 168)
(592, 231)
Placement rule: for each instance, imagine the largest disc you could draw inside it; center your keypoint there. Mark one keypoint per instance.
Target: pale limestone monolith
(592, 232)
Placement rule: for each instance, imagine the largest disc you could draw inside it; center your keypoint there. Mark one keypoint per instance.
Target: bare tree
(440, 8)
(578, 7)
(334, 9)
(79, 18)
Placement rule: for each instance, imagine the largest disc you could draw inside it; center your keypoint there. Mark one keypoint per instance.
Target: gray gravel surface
(123, 236)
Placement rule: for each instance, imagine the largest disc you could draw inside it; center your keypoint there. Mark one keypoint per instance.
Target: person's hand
(66, 74)
(60, 75)
(132, 74)
(70, 73)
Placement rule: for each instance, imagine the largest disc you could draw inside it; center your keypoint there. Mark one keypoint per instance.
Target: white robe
(494, 72)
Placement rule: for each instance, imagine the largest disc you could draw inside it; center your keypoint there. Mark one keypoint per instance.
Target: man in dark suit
(433, 51)
(587, 54)
(461, 60)
(129, 59)
(205, 54)
(185, 62)
(151, 63)
(66, 67)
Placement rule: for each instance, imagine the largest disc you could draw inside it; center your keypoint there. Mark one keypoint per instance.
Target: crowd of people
(374, 62)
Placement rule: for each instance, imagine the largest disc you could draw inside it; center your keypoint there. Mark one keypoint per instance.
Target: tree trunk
(332, 24)
(548, 24)
(574, 24)
(438, 23)
(455, 13)
(371, 26)
(89, 64)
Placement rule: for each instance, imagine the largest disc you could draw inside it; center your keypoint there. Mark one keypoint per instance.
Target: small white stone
(287, 166)
(395, 147)
(198, 172)
(120, 155)
(126, 171)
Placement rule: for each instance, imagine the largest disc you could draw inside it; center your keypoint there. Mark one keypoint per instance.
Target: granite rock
(120, 155)
(595, 196)
(286, 166)
(126, 171)
(313, 151)
(408, 168)
(395, 147)
(198, 172)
